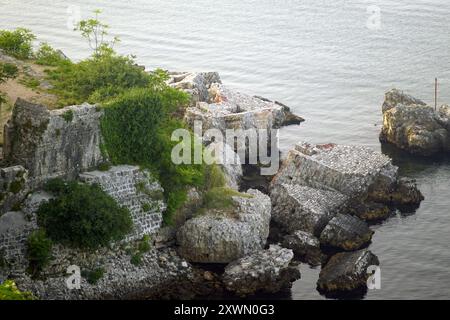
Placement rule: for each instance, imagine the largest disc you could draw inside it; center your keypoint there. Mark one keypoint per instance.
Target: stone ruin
(323, 197)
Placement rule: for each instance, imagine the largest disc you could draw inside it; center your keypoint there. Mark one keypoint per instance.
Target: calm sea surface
(331, 61)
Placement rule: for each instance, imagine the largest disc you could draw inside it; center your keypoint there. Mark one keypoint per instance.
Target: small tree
(95, 32)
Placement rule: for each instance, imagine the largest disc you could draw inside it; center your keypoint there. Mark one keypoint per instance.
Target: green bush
(48, 56)
(9, 291)
(137, 128)
(93, 276)
(39, 251)
(17, 43)
(96, 79)
(8, 71)
(136, 259)
(83, 215)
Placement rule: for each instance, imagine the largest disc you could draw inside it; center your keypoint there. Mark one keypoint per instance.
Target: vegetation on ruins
(82, 215)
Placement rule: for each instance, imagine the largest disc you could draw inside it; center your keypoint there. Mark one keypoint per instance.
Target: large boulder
(53, 143)
(221, 236)
(411, 125)
(348, 169)
(346, 232)
(305, 246)
(263, 271)
(346, 271)
(299, 207)
(229, 161)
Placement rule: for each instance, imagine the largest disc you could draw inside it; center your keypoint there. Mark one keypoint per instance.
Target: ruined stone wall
(53, 143)
(136, 190)
(13, 187)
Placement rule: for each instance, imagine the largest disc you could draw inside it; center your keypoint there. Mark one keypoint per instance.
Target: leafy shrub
(9, 291)
(97, 78)
(48, 56)
(93, 276)
(144, 244)
(8, 71)
(68, 116)
(83, 215)
(137, 128)
(39, 249)
(17, 43)
(136, 259)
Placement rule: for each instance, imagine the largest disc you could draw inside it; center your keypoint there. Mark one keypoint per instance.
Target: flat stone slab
(351, 170)
(346, 232)
(346, 271)
(298, 207)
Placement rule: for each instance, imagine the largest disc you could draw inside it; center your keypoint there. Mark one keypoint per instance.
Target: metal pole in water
(435, 93)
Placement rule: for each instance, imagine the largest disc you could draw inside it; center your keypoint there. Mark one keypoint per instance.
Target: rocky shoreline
(316, 209)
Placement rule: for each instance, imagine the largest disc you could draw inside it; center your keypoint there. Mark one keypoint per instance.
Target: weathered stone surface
(346, 232)
(403, 193)
(350, 170)
(221, 237)
(14, 232)
(136, 190)
(196, 84)
(158, 270)
(233, 110)
(263, 271)
(53, 143)
(229, 161)
(370, 211)
(305, 246)
(346, 271)
(13, 187)
(298, 207)
(411, 125)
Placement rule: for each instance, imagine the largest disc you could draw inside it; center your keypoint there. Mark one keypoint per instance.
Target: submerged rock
(305, 246)
(263, 271)
(370, 211)
(411, 125)
(222, 236)
(346, 271)
(346, 232)
(403, 193)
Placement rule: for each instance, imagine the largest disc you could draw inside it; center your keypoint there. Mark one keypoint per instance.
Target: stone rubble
(346, 232)
(305, 246)
(346, 271)
(263, 271)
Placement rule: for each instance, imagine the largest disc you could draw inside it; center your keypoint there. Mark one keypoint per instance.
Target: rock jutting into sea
(413, 126)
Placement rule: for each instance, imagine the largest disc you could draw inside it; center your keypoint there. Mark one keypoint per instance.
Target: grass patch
(17, 43)
(9, 291)
(68, 116)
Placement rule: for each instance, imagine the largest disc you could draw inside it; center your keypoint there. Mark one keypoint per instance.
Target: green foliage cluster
(137, 128)
(7, 71)
(9, 291)
(143, 246)
(17, 43)
(68, 116)
(96, 79)
(39, 251)
(48, 56)
(93, 276)
(82, 215)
